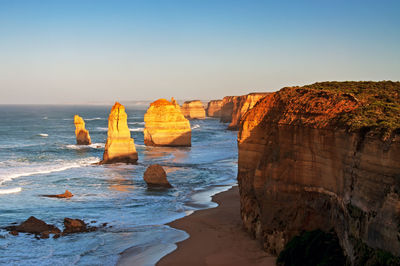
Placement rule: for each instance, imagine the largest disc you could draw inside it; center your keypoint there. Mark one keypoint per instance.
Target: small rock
(155, 176)
(56, 236)
(35, 226)
(44, 235)
(74, 226)
(66, 194)
(14, 233)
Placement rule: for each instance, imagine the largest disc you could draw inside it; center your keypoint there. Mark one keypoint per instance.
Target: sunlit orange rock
(193, 110)
(120, 147)
(66, 194)
(165, 125)
(82, 135)
(214, 108)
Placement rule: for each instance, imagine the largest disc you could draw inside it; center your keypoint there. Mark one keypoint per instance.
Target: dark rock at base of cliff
(33, 226)
(313, 248)
(76, 226)
(155, 176)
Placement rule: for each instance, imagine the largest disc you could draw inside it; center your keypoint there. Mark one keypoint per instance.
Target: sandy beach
(216, 238)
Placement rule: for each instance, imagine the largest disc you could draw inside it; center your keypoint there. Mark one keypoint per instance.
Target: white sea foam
(140, 129)
(95, 118)
(10, 190)
(195, 126)
(102, 128)
(78, 147)
(45, 117)
(45, 168)
(136, 123)
(44, 135)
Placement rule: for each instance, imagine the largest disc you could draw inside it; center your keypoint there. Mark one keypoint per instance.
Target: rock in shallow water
(82, 135)
(66, 194)
(33, 226)
(165, 125)
(155, 176)
(120, 147)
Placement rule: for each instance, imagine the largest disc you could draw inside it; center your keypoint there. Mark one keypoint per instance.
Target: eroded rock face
(82, 135)
(234, 107)
(214, 108)
(66, 194)
(72, 226)
(193, 110)
(165, 125)
(120, 147)
(299, 169)
(155, 176)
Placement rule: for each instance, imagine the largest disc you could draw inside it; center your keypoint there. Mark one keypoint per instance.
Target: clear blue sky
(79, 51)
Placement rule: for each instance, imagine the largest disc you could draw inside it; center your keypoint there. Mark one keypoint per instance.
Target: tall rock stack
(214, 108)
(120, 147)
(82, 135)
(165, 125)
(193, 110)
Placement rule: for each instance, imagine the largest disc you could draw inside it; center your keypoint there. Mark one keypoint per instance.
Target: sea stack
(120, 147)
(214, 108)
(155, 176)
(82, 135)
(165, 125)
(193, 110)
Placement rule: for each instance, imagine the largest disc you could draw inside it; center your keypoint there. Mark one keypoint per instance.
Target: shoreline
(215, 237)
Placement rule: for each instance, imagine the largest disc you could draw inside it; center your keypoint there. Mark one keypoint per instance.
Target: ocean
(38, 156)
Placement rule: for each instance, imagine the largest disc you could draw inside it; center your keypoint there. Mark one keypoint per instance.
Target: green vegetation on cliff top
(379, 111)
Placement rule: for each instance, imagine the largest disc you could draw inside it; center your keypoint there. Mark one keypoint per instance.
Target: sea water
(38, 156)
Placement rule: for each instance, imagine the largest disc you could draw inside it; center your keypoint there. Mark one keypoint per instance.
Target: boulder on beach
(193, 110)
(155, 176)
(33, 226)
(165, 125)
(66, 194)
(82, 135)
(120, 147)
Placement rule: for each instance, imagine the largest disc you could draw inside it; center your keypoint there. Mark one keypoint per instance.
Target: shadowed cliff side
(323, 156)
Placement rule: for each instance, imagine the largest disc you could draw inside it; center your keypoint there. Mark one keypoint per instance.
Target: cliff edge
(323, 156)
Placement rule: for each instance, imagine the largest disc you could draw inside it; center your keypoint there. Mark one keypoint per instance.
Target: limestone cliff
(193, 110)
(234, 107)
(165, 125)
(323, 156)
(214, 108)
(120, 147)
(82, 135)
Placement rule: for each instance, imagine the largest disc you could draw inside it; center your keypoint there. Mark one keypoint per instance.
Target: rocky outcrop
(120, 147)
(315, 158)
(72, 226)
(66, 194)
(234, 107)
(165, 125)
(214, 108)
(82, 135)
(34, 226)
(193, 110)
(155, 176)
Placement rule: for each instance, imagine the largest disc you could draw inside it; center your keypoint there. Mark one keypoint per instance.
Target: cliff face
(242, 104)
(82, 135)
(193, 110)
(165, 125)
(234, 107)
(214, 108)
(305, 165)
(120, 147)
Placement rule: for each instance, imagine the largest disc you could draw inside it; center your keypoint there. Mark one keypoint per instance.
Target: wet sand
(217, 237)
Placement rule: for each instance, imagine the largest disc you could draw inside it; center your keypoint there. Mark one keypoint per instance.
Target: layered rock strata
(193, 110)
(119, 147)
(214, 108)
(315, 158)
(234, 107)
(165, 125)
(82, 135)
